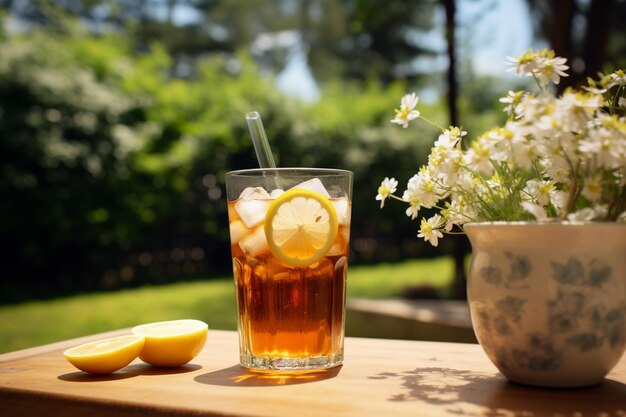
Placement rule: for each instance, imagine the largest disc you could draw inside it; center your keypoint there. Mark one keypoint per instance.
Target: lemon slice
(107, 355)
(172, 343)
(300, 226)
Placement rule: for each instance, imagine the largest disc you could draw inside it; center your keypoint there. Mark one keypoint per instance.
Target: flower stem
(433, 124)
(573, 192)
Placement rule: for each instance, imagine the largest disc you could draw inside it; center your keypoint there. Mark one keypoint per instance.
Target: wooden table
(379, 378)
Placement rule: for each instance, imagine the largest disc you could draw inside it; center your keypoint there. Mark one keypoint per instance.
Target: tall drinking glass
(290, 232)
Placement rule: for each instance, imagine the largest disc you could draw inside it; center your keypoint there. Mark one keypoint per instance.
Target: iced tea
(289, 317)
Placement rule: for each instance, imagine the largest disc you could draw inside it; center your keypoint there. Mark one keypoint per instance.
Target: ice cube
(276, 193)
(255, 243)
(252, 212)
(338, 248)
(342, 207)
(237, 231)
(344, 232)
(314, 184)
(254, 193)
(252, 206)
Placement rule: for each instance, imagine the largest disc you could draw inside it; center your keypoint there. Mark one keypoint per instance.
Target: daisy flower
(542, 65)
(513, 98)
(429, 229)
(617, 78)
(538, 191)
(551, 69)
(387, 187)
(557, 157)
(525, 64)
(592, 188)
(407, 110)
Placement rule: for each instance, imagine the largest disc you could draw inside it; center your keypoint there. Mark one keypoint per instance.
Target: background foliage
(118, 123)
(112, 172)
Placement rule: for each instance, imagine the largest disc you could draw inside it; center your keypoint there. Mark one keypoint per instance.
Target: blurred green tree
(111, 170)
(353, 39)
(118, 122)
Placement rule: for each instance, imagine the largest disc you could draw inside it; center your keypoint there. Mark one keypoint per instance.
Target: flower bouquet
(557, 157)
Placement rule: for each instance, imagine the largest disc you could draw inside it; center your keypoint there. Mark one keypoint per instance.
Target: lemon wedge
(300, 227)
(107, 355)
(171, 343)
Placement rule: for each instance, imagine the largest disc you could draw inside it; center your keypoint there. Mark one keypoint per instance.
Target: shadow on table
(238, 376)
(130, 371)
(495, 396)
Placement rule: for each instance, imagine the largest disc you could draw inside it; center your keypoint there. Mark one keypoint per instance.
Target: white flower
(509, 144)
(606, 147)
(413, 210)
(531, 108)
(592, 188)
(478, 156)
(450, 137)
(555, 154)
(513, 98)
(574, 110)
(555, 164)
(559, 199)
(524, 153)
(445, 160)
(536, 210)
(387, 187)
(407, 112)
(422, 187)
(595, 90)
(587, 214)
(542, 65)
(458, 212)
(429, 229)
(411, 196)
(538, 191)
(525, 64)
(617, 78)
(552, 69)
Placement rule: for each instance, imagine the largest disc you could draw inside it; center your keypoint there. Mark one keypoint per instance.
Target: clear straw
(259, 140)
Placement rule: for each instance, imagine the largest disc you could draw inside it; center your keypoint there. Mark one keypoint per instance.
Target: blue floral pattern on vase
(548, 300)
(584, 324)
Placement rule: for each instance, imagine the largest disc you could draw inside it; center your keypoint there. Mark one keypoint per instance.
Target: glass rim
(260, 171)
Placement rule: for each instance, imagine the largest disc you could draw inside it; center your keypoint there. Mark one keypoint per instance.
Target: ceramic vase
(548, 301)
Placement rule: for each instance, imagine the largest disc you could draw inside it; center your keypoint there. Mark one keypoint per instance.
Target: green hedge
(112, 171)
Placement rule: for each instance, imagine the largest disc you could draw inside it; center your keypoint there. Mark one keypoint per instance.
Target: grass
(39, 322)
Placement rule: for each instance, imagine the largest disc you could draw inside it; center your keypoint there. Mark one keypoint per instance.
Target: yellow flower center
(403, 113)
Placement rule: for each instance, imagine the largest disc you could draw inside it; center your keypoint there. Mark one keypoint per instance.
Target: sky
(502, 31)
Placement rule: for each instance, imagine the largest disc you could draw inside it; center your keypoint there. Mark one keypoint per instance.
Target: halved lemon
(172, 343)
(107, 355)
(300, 226)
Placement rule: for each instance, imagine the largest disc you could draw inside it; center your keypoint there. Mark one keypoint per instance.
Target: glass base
(314, 363)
